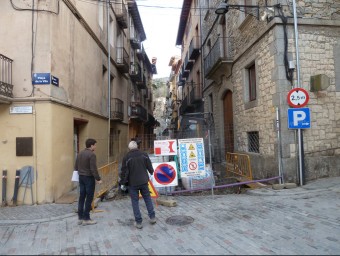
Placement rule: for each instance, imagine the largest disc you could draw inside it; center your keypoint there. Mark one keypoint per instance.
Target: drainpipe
(299, 131)
(108, 79)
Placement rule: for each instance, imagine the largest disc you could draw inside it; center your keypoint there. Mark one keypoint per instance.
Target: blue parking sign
(298, 118)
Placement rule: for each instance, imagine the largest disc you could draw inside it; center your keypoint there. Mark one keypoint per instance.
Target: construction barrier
(109, 176)
(238, 166)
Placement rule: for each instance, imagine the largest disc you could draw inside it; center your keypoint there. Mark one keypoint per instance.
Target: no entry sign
(165, 174)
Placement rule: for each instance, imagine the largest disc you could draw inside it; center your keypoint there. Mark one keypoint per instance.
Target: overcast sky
(160, 20)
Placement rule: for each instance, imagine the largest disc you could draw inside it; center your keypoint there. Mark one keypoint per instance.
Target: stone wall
(263, 43)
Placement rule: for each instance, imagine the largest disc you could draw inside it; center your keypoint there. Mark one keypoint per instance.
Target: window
(253, 142)
(211, 103)
(252, 82)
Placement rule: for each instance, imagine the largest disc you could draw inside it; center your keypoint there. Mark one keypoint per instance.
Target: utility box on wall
(24, 146)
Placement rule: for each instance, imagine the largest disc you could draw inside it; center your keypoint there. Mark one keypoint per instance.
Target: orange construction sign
(153, 191)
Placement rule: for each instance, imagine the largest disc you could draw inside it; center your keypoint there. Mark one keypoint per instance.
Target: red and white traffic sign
(165, 174)
(165, 147)
(297, 98)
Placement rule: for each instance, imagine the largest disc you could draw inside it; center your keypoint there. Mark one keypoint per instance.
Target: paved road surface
(304, 221)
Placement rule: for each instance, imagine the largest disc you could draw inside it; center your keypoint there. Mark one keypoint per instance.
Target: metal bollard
(4, 188)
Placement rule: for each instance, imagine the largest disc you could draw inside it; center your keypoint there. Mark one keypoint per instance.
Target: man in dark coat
(86, 165)
(135, 167)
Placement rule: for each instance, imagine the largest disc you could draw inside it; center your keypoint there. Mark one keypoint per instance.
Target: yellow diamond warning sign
(191, 147)
(192, 155)
(153, 191)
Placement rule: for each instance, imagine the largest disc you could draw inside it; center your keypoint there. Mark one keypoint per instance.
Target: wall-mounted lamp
(223, 8)
(268, 14)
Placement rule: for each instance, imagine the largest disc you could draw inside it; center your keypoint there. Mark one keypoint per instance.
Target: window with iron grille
(253, 142)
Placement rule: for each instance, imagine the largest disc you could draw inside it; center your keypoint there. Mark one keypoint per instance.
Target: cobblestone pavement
(303, 220)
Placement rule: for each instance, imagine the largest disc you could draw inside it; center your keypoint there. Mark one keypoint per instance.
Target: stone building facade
(261, 51)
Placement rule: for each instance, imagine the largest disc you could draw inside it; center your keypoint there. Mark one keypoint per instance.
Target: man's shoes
(80, 222)
(89, 222)
(153, 220)
(138, 225)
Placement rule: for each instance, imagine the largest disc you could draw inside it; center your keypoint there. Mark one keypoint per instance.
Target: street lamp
(224, 7)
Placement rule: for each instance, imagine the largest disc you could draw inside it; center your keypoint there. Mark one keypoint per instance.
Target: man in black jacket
(86, 165)
(135, 167)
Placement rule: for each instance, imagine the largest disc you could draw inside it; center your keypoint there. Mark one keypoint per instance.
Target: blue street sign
(55, 80)
(298, 118)
(41, 78)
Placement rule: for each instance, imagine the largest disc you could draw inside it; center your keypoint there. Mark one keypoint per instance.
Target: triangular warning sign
(192, 154)
(191, 147)
(153, 191)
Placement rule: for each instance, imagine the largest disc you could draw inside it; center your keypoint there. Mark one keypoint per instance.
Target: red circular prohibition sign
(164, 174)
(297, 98)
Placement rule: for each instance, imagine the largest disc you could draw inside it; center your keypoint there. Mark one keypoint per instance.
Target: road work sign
(192, 159)
(165, 147)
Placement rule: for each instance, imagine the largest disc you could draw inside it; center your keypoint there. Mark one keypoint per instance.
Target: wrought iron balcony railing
(195, 94)
(117, 109)
(6, 86)
(121, 14)
(122, 60)
(188, 64)
(136, 72)
(194, 48)
(220, 55)
(137, 111)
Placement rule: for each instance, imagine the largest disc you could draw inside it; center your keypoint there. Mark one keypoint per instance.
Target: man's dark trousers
(134, 194)
(86, 190)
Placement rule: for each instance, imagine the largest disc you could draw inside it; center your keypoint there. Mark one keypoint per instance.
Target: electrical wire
(289, 72)
(33, 34)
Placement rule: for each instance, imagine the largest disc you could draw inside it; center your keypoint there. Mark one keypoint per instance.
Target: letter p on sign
(298, 116)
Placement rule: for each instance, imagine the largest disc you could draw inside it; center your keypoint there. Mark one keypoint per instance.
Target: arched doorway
(228, 122)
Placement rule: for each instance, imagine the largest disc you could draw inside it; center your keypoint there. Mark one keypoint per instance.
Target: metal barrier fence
(109, 176)
(238, 165)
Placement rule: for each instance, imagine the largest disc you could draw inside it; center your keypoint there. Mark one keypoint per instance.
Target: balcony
(195, 95)
(185, 73)
(141, 83)
(117, 109)
(184, 105)
(141, 53)
(121, 14)
(138, 112)
(188, 64)
(136, 72)
(6, 86)
(219, 60)
(181, 80)
(194, 48)
(122, 60)
(135, 43)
